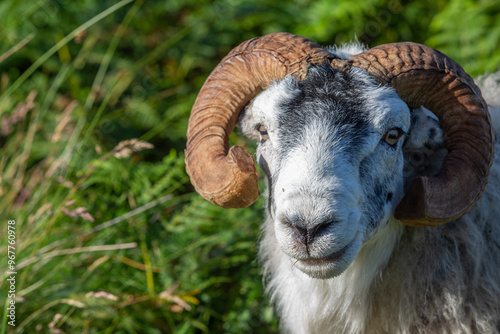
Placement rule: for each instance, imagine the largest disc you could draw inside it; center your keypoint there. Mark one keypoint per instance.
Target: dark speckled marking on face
(432, 133)
(323, 94)
(374, 204)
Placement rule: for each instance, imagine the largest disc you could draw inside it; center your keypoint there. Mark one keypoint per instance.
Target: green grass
(110, 237)
(94, 102)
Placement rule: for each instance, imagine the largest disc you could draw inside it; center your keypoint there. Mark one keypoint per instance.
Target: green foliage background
(77, 77)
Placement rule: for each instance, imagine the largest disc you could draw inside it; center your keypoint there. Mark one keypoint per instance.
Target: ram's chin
(330, 266)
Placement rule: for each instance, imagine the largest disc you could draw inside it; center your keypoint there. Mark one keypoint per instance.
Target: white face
(332, 148)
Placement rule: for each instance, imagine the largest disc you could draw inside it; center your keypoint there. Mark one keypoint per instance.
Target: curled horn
(228, 176)
(423, 76)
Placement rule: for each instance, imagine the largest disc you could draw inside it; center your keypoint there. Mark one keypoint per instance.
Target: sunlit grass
(106, 241)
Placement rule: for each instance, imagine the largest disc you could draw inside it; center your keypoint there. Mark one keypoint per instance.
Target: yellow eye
(263, 133)
(392, 136)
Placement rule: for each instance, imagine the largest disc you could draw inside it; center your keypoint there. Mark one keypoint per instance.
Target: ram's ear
(424, 149)
(247, 122)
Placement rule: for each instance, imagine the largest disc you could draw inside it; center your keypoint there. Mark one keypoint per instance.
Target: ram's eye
(392, 136)
(263, 133)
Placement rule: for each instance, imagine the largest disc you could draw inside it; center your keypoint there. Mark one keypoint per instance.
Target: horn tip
(413, 209)
(228, 181)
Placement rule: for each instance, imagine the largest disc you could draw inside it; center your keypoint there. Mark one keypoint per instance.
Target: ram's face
(334, 145)
(332, 150)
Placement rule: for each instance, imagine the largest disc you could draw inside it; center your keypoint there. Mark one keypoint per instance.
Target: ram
(383, 197)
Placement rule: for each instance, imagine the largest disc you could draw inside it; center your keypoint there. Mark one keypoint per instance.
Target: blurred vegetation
(110, 236)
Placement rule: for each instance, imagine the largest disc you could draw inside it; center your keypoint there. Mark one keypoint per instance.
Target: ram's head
(336, 139)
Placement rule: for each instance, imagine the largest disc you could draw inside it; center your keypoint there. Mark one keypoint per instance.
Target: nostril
(318, 230)
(300, 232)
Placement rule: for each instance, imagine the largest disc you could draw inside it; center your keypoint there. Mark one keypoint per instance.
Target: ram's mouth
(328, 266)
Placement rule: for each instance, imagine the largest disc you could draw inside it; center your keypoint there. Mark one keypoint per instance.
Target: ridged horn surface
(228, 176)
(424, 76)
